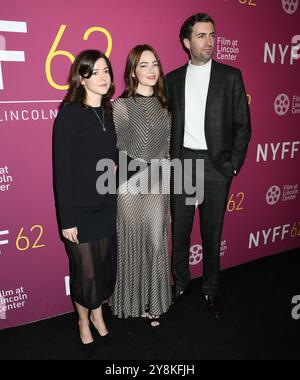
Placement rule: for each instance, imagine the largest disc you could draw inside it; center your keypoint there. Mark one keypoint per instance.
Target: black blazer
(227, 117)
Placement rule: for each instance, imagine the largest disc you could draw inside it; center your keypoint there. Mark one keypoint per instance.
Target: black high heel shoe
(97, 331)
(89, 350)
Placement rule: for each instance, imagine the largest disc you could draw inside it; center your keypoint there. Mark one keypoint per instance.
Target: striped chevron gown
(143, 273)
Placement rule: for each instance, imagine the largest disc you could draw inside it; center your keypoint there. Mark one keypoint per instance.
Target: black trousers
(212, 211)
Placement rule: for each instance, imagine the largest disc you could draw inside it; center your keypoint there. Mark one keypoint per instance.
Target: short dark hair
(83, 66)
(187, 28)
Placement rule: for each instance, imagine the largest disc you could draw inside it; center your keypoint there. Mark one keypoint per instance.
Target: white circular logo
(290, 6)
(196, 254)
(273, 195)
(282, 104)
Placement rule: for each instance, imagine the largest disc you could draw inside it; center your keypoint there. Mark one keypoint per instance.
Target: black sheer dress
(80, 141)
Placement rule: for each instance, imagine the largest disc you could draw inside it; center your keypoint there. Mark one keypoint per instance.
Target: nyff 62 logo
(10, 55)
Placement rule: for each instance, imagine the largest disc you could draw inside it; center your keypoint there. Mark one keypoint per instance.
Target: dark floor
(257, 324)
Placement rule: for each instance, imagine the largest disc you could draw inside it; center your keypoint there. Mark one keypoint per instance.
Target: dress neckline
(145, 96)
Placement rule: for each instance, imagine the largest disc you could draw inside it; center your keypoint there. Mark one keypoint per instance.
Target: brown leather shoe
(214, 306)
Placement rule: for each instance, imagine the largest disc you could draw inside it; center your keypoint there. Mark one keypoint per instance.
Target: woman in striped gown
(142, 123)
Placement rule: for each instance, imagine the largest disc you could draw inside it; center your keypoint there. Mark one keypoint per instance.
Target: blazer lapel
(181, 92)
(213, 87)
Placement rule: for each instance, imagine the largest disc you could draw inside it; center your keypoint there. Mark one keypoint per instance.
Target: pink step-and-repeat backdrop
(38, 41)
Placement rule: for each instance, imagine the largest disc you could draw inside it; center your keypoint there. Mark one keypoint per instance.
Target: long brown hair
(131, 82)
(83, 66)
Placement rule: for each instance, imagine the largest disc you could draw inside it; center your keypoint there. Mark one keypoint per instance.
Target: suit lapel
(181, 91)
(213, 87)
